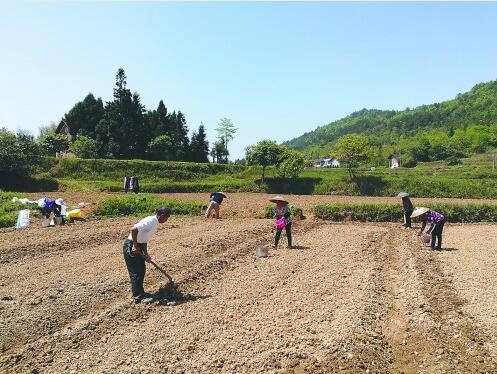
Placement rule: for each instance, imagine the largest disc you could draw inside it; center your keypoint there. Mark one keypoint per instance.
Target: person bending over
(136, 254)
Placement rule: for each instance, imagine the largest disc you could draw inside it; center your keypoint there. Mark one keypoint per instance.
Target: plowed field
(349, 298)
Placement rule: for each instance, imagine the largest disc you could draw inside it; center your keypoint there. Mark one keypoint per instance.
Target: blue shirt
(217, 197)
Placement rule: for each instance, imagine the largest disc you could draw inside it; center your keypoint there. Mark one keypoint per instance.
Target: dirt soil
(250, 205)
(349, 298)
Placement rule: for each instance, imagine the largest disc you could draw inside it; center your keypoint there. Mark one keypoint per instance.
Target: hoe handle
(162, 271)
(159, 268)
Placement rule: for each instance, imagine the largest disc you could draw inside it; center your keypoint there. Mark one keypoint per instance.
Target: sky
(276, 69)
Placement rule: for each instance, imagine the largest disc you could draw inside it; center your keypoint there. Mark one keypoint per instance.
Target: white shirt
(146, 228)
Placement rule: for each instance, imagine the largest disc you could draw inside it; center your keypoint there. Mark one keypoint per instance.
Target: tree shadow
(171, 294)
(300, 186)
(369, 185)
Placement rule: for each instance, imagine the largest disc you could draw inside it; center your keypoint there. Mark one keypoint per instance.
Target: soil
(348, 298)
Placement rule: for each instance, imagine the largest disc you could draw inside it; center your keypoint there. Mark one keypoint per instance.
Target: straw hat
(60, 202)
(403, 194)
(419, 211)
(278, 198)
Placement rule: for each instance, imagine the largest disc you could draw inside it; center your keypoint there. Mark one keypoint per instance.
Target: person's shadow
(300, 247)
(449, 249)
(170, 294)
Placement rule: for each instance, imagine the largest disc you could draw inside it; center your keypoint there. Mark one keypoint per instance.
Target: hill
(478, 107)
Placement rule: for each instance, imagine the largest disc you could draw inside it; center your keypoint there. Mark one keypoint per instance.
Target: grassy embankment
(472, 179)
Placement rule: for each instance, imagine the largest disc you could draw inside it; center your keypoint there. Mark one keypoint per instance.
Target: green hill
(471, 118)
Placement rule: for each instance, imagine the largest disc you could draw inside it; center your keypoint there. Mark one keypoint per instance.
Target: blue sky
(276, 69)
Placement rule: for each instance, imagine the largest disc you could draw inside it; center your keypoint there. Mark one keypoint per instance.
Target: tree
(20, 155)
(199, 147)
(352, 149)
(47, 130)
(161, 148)
(85, 115)
(265, 153)
(84, 147)
(226, 131)
(53, 143)
(121, 132)
(219, 152)
(179, 136)
(291, 164)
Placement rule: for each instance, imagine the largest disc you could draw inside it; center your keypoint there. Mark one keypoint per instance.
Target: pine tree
(199, 147)
(179, 136)
(121, 132)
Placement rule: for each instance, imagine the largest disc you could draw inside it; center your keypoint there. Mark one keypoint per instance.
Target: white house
(329, 162)
(393, 161)
(317, 162)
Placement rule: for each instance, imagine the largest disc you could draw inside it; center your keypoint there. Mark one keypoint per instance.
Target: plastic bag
(22, 219)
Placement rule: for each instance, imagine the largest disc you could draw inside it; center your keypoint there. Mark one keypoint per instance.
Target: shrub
(453, 160)
(296, 212)
(53, 143)
(85, 147)
(23, 183)
(135, 206)
(393, 213)
(358, 212)
(98, 168)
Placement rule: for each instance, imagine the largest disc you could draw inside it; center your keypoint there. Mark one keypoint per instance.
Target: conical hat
(278, 198)
(403, 194)
(419, 211)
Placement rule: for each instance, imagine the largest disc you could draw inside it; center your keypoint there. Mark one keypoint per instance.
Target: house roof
(61, 125)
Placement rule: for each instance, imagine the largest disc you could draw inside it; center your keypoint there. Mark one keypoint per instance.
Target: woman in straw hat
(216, 198)
(282, 214)
(436, 221)
(408, 209)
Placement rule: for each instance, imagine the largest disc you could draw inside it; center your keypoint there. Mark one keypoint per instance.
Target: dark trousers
(288, 229)
(136, 267)
(407, 218)
(436, 233)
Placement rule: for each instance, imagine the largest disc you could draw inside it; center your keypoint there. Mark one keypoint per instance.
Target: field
(351, 297)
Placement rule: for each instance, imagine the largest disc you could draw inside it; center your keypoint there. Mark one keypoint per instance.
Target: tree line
(124, 129)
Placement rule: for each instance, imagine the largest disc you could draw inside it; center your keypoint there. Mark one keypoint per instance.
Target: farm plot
(350, 297)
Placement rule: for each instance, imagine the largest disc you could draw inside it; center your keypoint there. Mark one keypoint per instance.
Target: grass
(137, 206)
(393, 213)
(8, 209)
